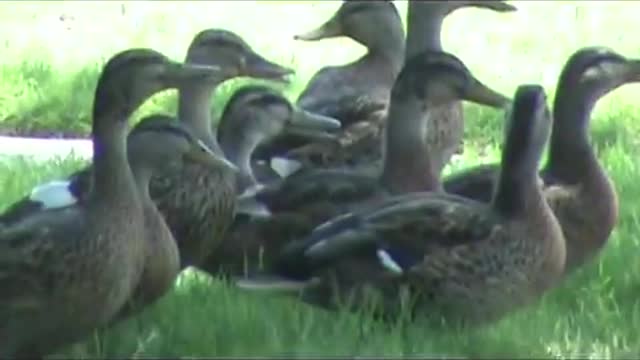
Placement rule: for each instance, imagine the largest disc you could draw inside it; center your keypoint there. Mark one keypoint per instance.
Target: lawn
(52, 52)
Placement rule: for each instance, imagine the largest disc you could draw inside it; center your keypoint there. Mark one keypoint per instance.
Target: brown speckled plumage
(439, 255)
(309, 198)
(66, 271)
(358, 146)
(577, 188)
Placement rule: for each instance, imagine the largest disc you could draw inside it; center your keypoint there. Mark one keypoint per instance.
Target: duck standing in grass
(575, 185)
(302, 201)
(66, 271)
(359, 144)
(196, 201)
(434, 254)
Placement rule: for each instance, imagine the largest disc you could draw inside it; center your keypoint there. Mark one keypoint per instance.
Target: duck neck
(239, 152)
(388, 49)
(571, 157)
(424, 27)
(142, 175)
(407, 166)
(194, 112)
(113, 177)
(518, 189)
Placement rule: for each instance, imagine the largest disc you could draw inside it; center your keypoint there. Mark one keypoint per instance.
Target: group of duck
(336, 199)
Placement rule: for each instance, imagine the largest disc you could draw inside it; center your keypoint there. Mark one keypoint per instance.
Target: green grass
(48, 70)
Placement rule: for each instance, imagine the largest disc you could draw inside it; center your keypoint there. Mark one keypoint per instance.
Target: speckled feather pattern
(471, 260)
(198, 205)
(105, 268)
(360, 145)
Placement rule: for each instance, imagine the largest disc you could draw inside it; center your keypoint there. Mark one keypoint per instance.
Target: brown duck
(302, 201)
(356, 93)
(196, 201)
(575, 185)
(436, 255)
(67, 271)
(359, 144)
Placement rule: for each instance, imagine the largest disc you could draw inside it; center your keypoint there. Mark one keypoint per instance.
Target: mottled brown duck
(356, 93)
(303, 200)
(67, 271)
(576, 186)
(435, 256)
(359, 144)
(196, 201)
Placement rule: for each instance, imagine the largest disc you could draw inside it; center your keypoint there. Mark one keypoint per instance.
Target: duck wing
(401, 233)
(50, 195)
(341, 96)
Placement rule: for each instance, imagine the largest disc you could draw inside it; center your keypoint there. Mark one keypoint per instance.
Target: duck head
(437, 77)
(367, 22)
(159, 140)
(428, 81)
(593, 72)
(132, 76)
(589, 74)
(229, 51)
(257, 114)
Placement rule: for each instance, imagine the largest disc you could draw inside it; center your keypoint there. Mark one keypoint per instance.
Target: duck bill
(481, 94)
(327, 30)
(258, 67)
(312, 126)
(202, 154)
(179, 74)
(495, 5)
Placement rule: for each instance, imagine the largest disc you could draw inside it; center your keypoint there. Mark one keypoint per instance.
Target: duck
(197, 202)
(151, 138)
(256, 114)
(292, 207)
(576, 186)
(433, 256)
(357, 92)
(424, 32)
(85, 260)
(359, 145)
(253, 115)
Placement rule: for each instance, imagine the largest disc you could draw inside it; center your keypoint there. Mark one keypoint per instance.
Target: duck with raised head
(298, 203)
(66, 271)
(432, 254)
(424, 32)
(197, 202)
(257, 114)
(576, 186)
(357, 92)
(359, 144)
(161, 138)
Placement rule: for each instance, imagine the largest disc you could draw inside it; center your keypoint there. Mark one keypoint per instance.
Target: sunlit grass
(48, 71)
